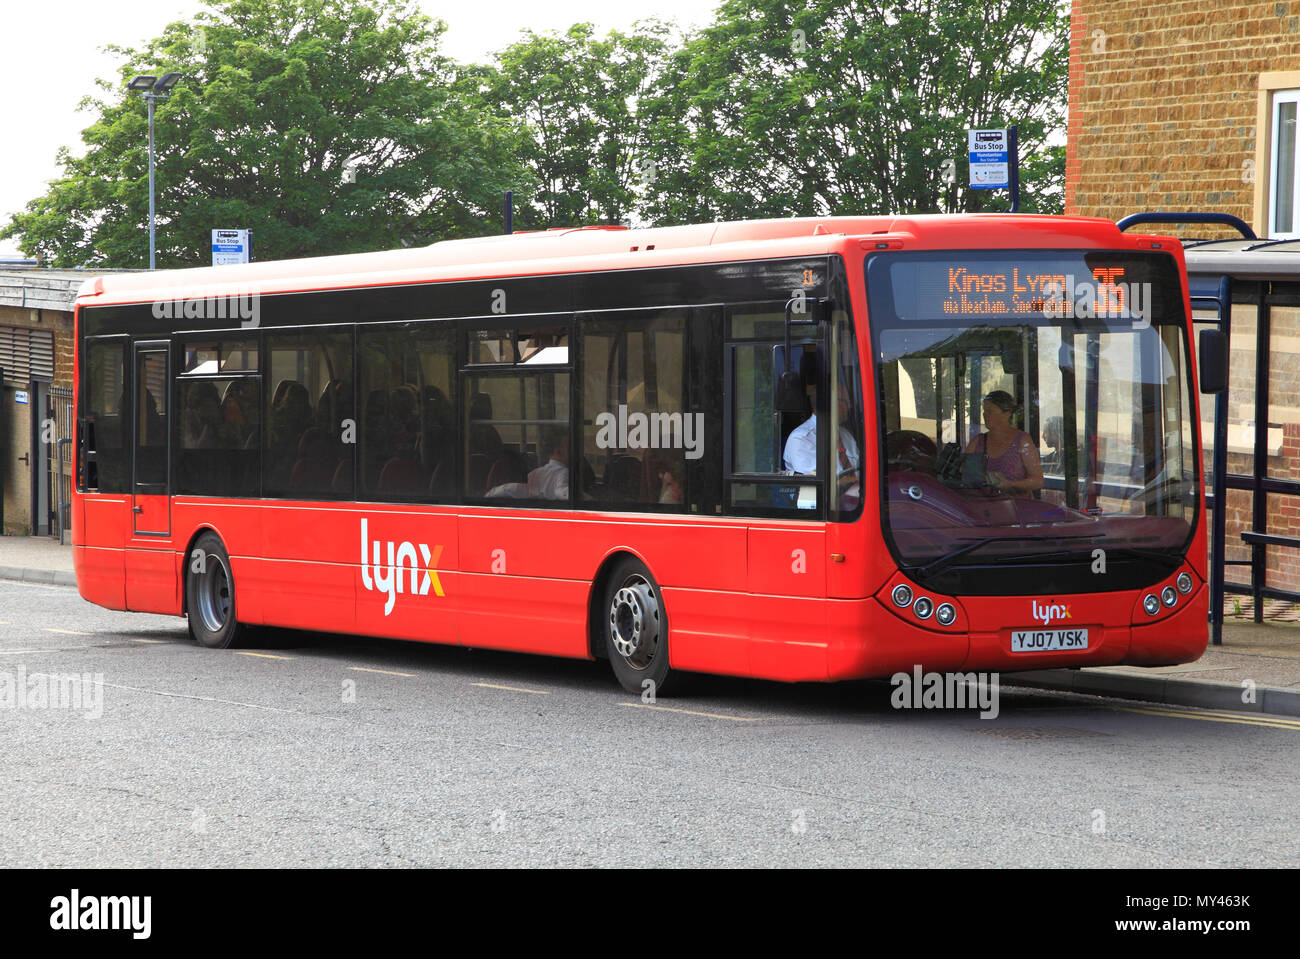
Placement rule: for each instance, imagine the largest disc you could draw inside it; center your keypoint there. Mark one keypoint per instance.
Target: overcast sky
(54, 55)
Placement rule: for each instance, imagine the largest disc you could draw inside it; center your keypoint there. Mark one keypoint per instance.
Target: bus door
(150, 565)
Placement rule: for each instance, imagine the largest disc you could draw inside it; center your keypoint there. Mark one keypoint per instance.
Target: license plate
(1047, 640)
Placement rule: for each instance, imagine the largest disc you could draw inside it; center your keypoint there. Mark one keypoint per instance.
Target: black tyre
(210, 594)
(636, 629)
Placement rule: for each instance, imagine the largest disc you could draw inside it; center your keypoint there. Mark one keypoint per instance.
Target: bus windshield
(1037, 425)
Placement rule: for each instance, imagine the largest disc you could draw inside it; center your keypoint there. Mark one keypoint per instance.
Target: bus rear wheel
(636, 629)
(210, 594)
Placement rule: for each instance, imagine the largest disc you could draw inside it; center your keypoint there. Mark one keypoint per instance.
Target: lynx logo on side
(386, 577)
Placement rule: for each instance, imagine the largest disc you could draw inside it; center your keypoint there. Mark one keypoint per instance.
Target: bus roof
(582, 249)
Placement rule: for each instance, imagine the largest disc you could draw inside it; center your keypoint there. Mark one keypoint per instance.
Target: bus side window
(306, 451)
(637, 435)
(516, 417)
(765, 442)
(104, 463)
(408, 423)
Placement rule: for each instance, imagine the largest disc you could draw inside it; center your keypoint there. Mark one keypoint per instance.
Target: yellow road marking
(160, 641)
(386, 672)
(67, 632)
(1216, 716)
(692, 712)
(15, 652)
(514, 689)
(243, 652)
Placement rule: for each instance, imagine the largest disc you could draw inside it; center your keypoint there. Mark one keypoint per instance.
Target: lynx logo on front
(387, 577)
(102, 912)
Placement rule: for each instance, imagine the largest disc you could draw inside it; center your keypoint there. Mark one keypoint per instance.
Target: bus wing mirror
(1212, 351)
(790, 394)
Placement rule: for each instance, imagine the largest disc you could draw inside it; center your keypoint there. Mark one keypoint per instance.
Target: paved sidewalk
(36, 559)
(1259, 662)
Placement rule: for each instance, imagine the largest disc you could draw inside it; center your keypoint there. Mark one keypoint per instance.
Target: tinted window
(766, 442)
(516, 419)
(151, 421)
(638, 434)
(218, 435)
(408, 418)
(208, 357)
(104, 459)
(310, 430)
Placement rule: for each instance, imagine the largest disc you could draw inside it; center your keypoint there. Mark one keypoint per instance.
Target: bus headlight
(1184, 583)
(1151, 604)
(1168, 596)
(902, 596)
(923, 607)
(945, 614)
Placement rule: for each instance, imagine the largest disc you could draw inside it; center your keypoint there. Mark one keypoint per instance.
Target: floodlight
(143, 82)
(168, 81)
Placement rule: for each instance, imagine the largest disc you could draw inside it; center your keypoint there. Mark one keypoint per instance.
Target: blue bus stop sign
(989, 159)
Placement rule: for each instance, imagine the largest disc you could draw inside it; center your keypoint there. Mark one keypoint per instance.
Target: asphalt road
(315, 750)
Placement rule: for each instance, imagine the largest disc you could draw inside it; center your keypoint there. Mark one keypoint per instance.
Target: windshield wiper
(946, 560)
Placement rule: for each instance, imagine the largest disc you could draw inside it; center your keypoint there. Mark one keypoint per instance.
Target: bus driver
(801, 451)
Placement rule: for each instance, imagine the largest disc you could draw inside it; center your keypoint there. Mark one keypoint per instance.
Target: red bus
(608, 443)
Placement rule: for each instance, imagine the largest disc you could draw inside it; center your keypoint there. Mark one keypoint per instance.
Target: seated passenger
(316, 463)
(548, 481)
(402, 473)
(551, 479)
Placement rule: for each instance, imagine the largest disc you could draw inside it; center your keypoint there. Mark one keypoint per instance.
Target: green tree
(573, 98)
(282, 102)
(853, 106)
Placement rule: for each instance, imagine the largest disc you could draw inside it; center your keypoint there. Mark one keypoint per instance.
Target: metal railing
(60, 414)
(1218, 297)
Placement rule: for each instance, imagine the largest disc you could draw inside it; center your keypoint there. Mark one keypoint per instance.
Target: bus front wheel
(210, 594)
(636, 629)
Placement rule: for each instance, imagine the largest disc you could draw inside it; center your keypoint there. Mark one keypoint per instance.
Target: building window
(1283, 210)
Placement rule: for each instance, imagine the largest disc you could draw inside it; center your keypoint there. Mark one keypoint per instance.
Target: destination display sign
(1131, 288)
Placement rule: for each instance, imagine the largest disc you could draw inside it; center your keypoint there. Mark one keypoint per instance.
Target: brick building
(36, 349)
(1192, 106)
(1173, 106)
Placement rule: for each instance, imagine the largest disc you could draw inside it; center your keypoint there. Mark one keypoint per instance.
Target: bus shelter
(1250, 289)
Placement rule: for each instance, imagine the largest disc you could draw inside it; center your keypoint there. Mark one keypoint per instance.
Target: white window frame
(1283, 230)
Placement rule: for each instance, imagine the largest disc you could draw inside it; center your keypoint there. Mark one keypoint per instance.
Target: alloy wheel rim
(214, 594)
(634, 622)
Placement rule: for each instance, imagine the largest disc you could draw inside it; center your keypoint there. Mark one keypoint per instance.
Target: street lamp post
(153, 89)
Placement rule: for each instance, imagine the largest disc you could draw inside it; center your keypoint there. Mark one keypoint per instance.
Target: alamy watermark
(920, 690)
(244, 307)
(1104, 295)
(655, 431)
(23, 690)
(76, 912)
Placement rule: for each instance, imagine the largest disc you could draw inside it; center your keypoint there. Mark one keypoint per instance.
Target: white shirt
(550, 481)
(801, 448)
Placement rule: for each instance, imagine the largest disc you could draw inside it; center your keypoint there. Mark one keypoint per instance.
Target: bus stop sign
(989, 159)
(230, 246)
